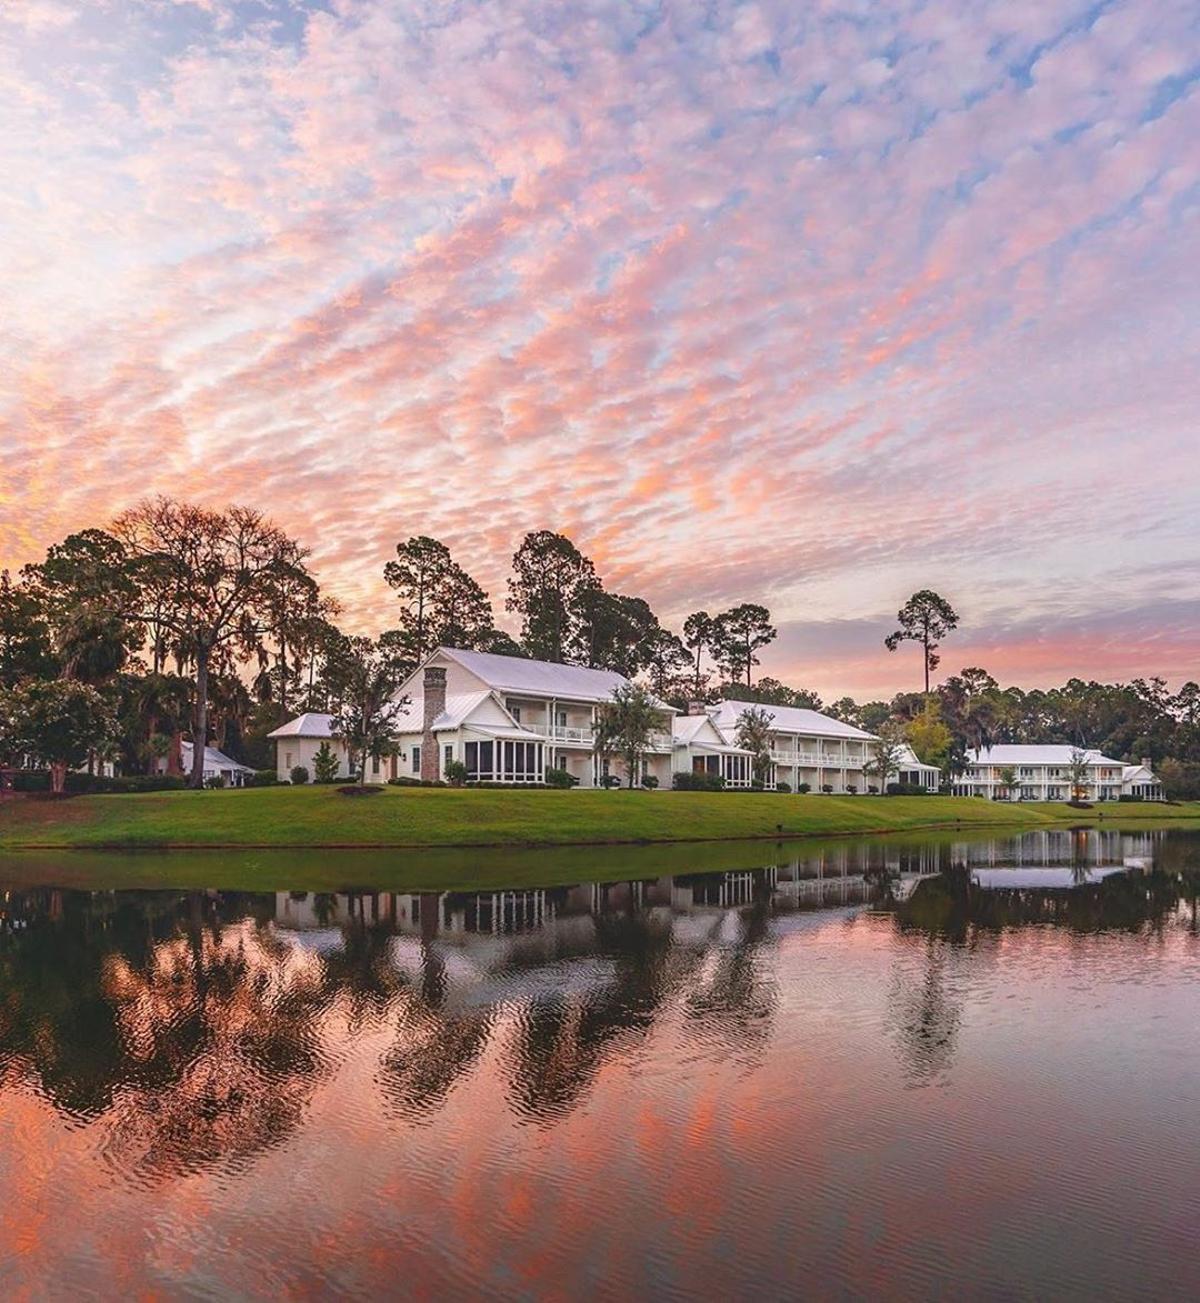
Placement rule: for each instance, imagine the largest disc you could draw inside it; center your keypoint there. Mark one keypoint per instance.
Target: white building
(505, 718)
(508, 720)
(217, 766)
(807, 747)
(916, 773)
(1140, 782)
(1041, 773)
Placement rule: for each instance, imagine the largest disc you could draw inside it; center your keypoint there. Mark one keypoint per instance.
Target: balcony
(579, 736)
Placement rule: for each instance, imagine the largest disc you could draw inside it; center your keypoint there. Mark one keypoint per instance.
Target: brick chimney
(435, 704)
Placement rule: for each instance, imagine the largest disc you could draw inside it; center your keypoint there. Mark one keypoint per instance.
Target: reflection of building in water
(536, 925)
(1061, 848)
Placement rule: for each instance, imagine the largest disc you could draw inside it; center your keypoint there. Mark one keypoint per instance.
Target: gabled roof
(540, 678)
(1143, 772)
(310, 724)
(213, 759)
(459, 705)
(701, 733)
(1031, 754)
(908, 760)
(788, 719)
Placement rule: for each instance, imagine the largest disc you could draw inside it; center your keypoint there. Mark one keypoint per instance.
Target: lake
(888, 1069)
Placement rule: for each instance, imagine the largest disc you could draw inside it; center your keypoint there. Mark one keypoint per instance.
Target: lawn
(315, 817)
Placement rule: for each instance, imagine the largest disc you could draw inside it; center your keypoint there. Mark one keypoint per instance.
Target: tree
(929, 736)
(550, 585)
(1008, 779)
(82, 588)
(624, 725)
(887, 754)
(754, 734)
(737, 635)
(925, 618)
(325, 764)
(366, 681)
(845, 709)
(25, 649)
(770, 692)
(666, 663)
(209, 578)
(56, 721)
(698, 631)
(441, 605)
(1078, 773)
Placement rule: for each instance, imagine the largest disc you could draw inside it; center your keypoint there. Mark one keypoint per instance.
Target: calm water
(975, 1076)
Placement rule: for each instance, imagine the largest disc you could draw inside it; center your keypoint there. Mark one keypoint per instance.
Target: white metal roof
(908, 760)
(311, 724)
(458, 706)
(788, 719)
(1029, 754)
(213, 759)
(541, 678)
(1142, 773)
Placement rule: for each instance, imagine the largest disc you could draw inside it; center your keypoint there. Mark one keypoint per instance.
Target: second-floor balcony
(580, 735)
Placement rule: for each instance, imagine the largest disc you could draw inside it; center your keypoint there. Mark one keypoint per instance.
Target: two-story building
(1039, 773)
(807, 747)
(507, 719)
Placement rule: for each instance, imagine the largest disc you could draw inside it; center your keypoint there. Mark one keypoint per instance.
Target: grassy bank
(317, 817)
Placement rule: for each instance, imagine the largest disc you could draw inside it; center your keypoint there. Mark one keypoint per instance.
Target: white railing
(563, 733)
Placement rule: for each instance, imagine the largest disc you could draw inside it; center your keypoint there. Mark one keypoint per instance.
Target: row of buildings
(509, 720)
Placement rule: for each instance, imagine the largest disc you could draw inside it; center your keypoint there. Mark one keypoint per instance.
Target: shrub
(827, 788)
(783, 787)
(403, 780)
(264, 778)
(803, 788)
(38, 780)
(851, 789)
(872, 790)
(649, 782)
(560, 778)
(610, 780)
(909, 789)
(299, 775)
(690, 782)
(213, 782)
(456, 773)
(325, 764)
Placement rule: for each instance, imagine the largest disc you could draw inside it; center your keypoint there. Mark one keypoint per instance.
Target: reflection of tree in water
(733, 1002)
(195, 1038)
(560, 1040)
(925, 1017)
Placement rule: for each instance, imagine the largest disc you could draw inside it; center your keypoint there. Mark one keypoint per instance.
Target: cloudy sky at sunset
(806, 303)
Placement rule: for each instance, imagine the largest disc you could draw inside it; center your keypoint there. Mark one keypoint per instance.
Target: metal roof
(788, 719)
(310, 724)
(1036, 754)
(541, 678)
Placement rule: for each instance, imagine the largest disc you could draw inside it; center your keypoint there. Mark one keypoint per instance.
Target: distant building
(1140, 781)
(1043, 773)
(217, 766)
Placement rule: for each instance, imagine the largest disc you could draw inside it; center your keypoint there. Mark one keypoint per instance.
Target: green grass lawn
(316, 817)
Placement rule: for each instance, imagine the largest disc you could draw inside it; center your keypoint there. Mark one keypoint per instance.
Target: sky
(806, 304)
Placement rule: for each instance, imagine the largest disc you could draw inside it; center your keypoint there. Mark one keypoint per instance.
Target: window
(416, 760)
(287, 760)
(375, 766)
(449, 756)
(515, 712)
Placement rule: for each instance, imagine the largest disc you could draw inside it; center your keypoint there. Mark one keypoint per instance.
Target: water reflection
(195, 1033)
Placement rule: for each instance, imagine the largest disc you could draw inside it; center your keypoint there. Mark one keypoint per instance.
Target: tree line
(177, 622)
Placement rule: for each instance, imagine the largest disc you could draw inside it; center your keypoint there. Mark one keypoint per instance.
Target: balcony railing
(815, 760)
(563, 733)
